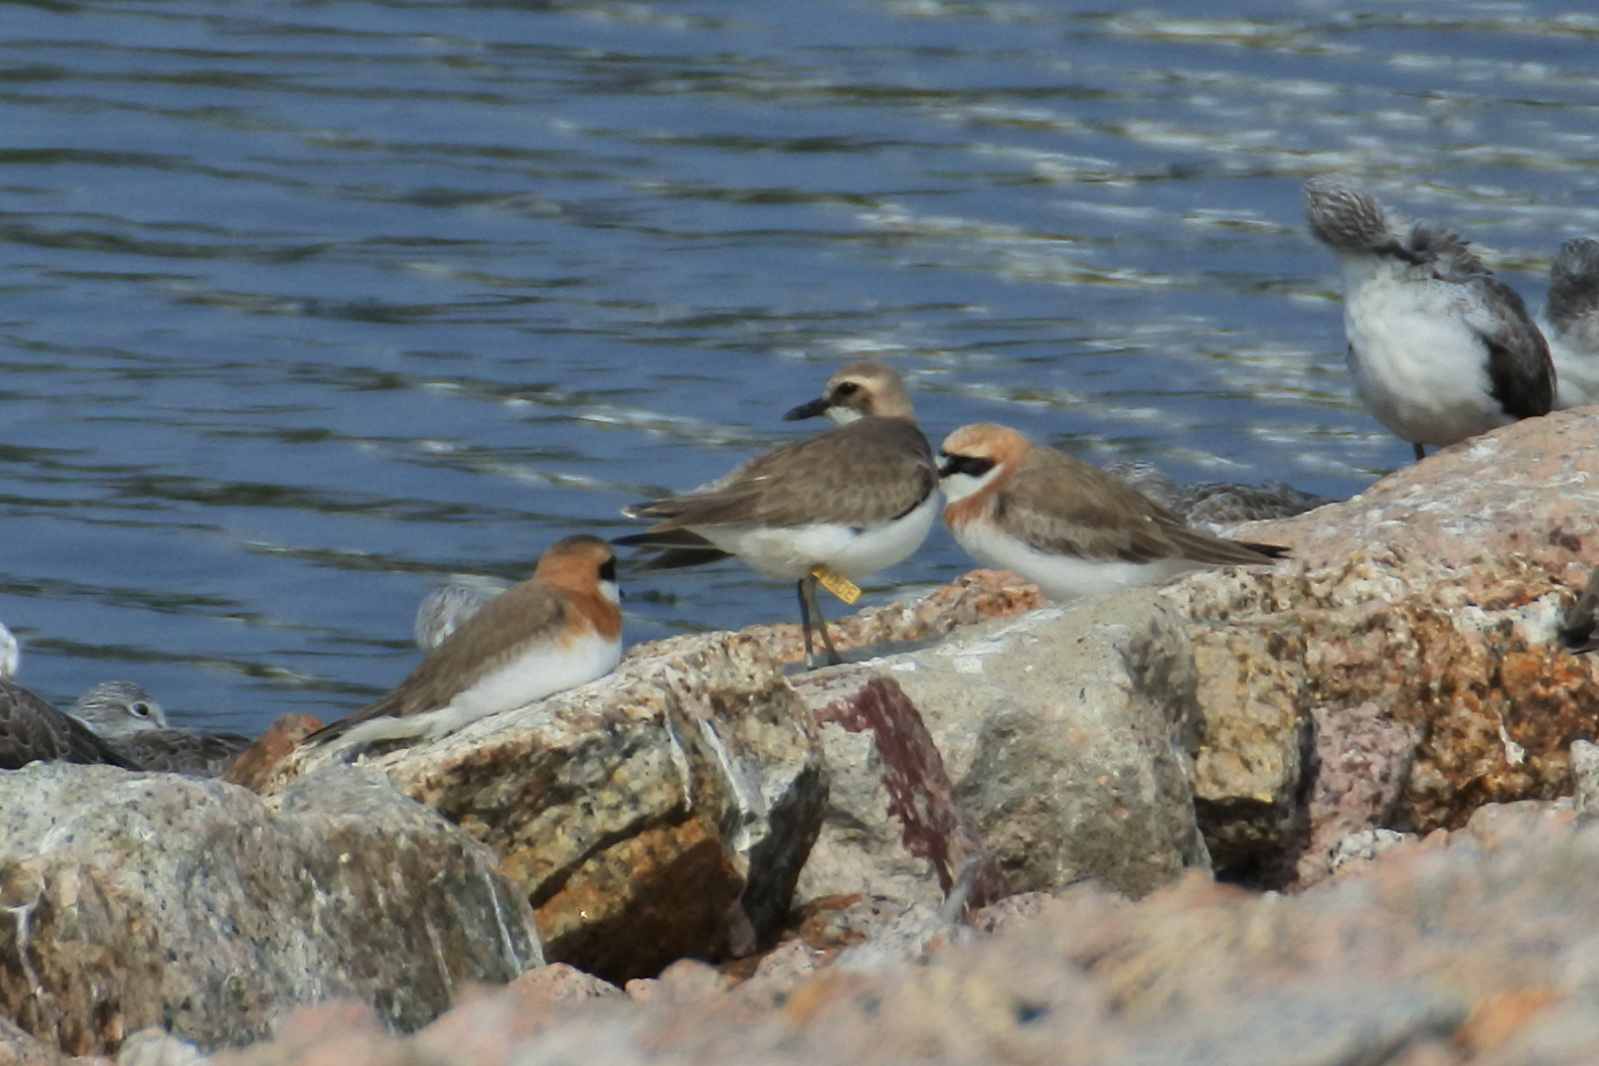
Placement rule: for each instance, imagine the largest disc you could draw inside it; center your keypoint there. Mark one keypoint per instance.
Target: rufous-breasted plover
(559, 629)
(1065, 524)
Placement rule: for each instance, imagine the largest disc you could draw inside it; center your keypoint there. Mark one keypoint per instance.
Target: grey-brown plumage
(1087, 514)
(183, 751)
(31, 730)
(135, 725)
(824, 480)
(1066, 524)
(849, 501)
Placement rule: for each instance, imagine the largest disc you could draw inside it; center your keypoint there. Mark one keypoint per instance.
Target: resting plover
(1065, 524)
(559, 629)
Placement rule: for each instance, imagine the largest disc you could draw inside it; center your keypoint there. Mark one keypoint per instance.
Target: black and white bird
(1439, 347)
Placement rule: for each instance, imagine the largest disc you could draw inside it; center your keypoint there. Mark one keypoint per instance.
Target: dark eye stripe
(608, 570)
(971, 465)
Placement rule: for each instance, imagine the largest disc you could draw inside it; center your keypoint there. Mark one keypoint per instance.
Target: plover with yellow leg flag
(1065, 524)
(1439, 347)
(559, 629)
(832, 509)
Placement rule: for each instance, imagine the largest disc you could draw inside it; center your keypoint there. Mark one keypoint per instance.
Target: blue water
(307, 306)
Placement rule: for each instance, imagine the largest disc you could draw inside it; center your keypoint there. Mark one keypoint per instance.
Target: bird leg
(1421, 451)
(807, 598)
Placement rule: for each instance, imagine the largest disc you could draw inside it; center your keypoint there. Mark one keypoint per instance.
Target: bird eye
(141, 709)
(608, 570)
(847, 388)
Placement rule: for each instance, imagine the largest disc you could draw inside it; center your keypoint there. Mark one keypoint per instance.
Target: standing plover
(1440, 348)
(1571, 321)
(559, 629)
(1065, 524)
(132, 721)
(833, 508)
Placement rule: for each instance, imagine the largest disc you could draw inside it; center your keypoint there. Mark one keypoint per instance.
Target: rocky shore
(1335, 811)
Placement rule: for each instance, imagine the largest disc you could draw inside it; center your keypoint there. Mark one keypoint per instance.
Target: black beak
(807, 410)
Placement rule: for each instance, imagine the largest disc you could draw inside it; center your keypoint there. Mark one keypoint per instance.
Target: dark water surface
(307, 305)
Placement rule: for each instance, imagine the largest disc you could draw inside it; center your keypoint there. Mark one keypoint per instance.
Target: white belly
(789, 554)
(1416, 360)
(1576, 356)
(1062, 577)
(535, 675)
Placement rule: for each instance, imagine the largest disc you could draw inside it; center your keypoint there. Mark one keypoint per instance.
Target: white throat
(840, 415)
(958, 486)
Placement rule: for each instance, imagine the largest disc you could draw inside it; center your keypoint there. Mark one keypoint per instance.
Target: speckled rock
(661, 812)
(1473, 947)
(142, 899)
(1433, 601)
(1066, 734)
(1256, 756)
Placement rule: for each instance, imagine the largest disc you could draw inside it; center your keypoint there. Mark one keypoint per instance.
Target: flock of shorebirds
(1439, 348)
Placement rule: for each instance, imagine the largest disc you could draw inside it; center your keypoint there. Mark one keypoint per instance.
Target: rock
(1419, 622)
(1055, 749)
(20, 1048)
(143, 900)
(659, 813)
(1256, 756)
(1472, 950)
(894, 825)
(257, 764)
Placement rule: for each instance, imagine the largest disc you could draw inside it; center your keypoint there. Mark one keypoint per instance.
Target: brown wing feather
(31, 729)
(1062, 505)
(486, 640)
(870, 470)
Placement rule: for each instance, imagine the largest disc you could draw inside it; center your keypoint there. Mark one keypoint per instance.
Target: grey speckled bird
(444, 609)
(133, 723)
(1212, 505)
